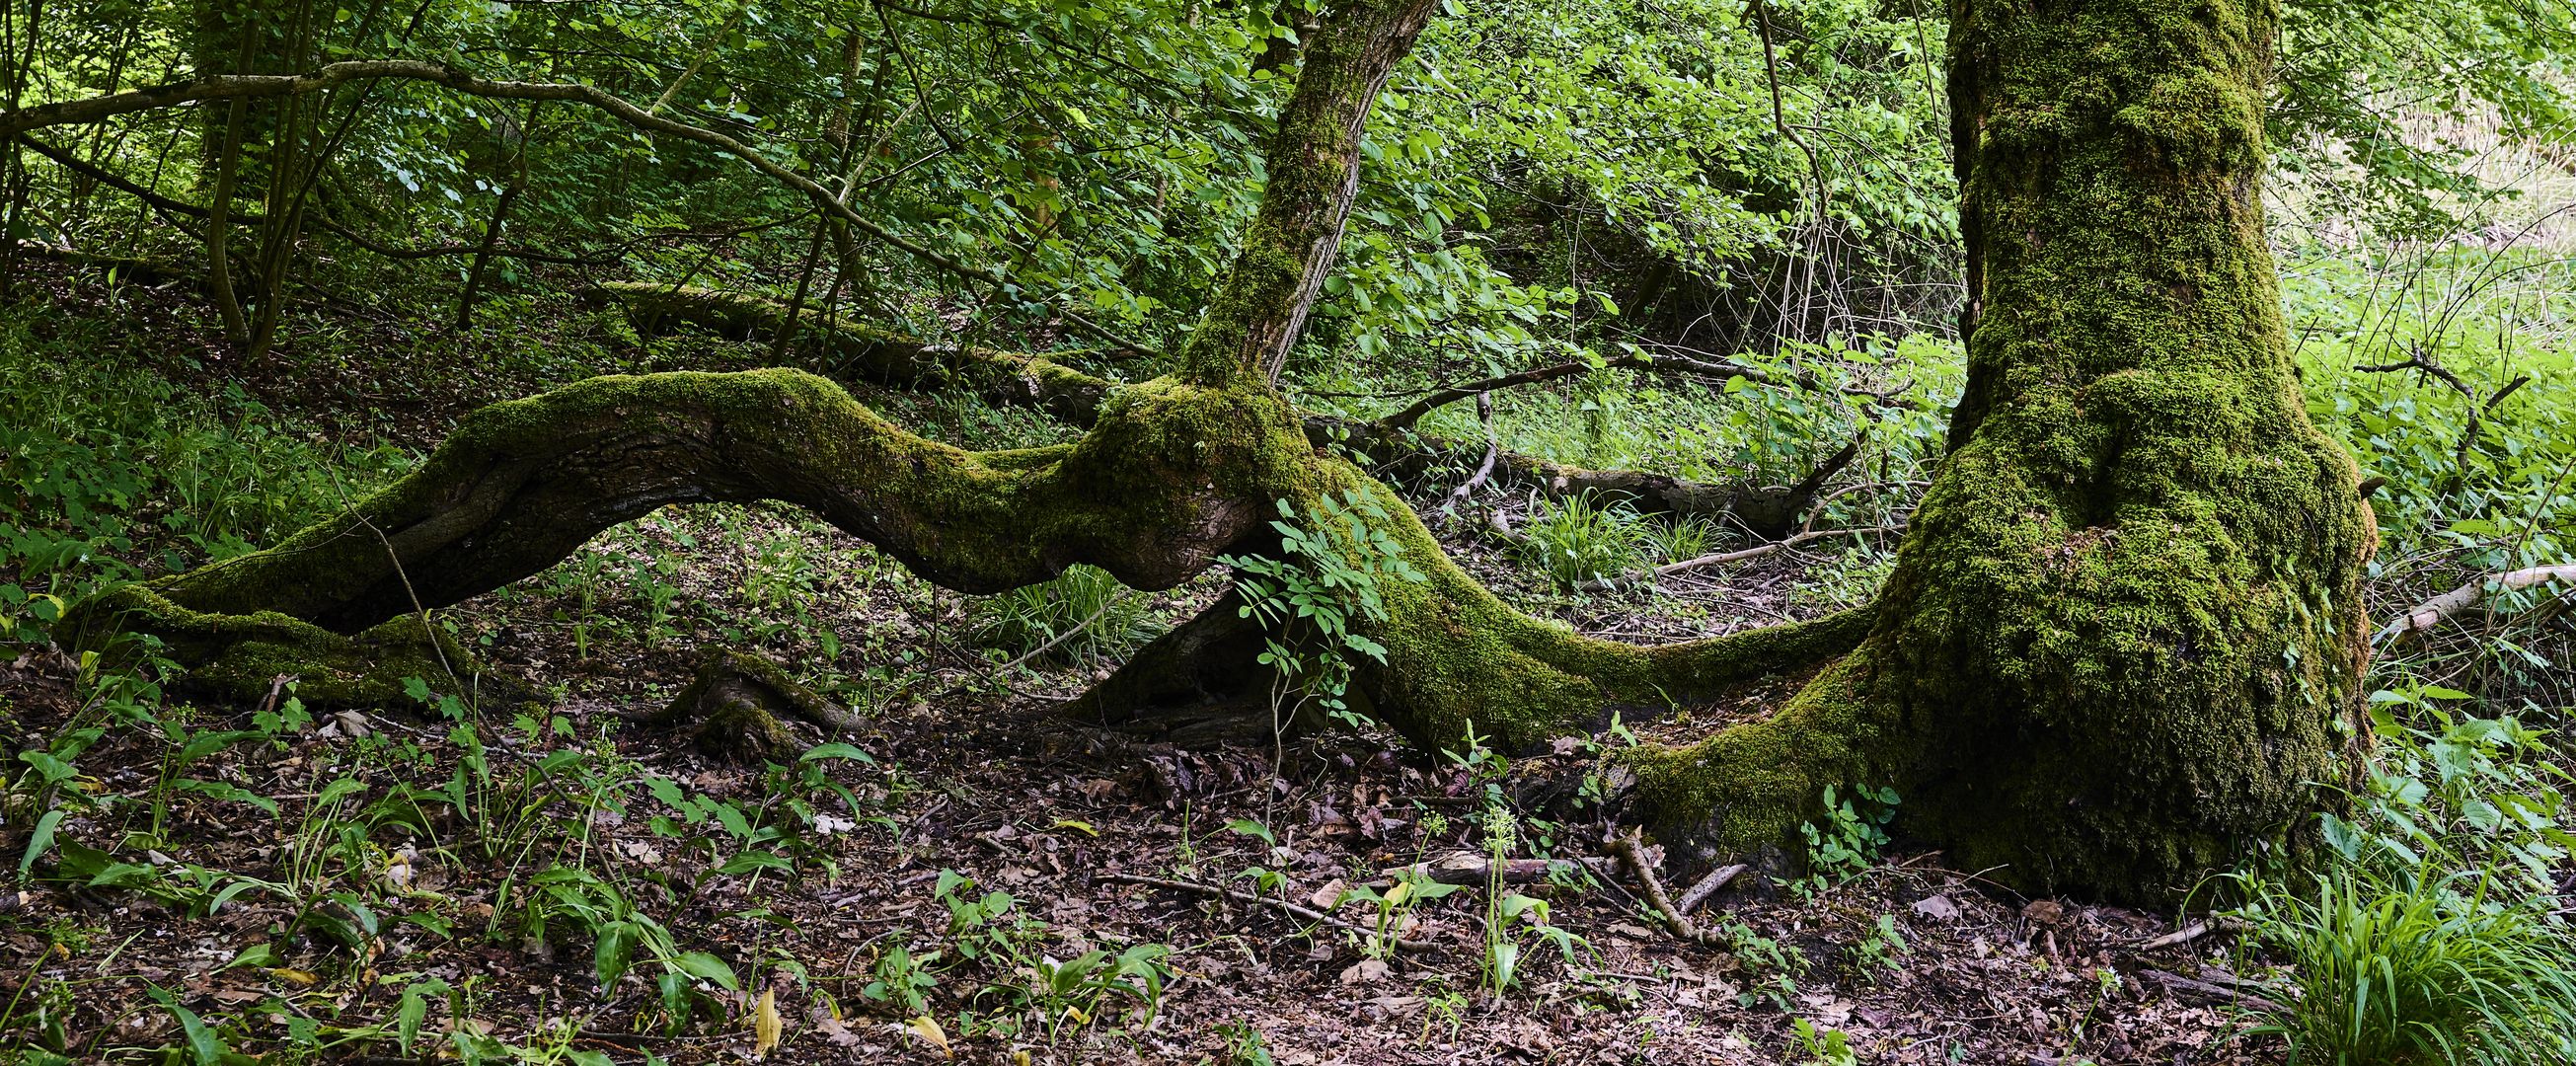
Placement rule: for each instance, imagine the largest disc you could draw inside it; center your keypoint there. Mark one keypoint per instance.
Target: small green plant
(1244, 1045)
(1580, 538)
(1848, 842)
(1084, 616)
(1512, 919)
(1673, 540)
(1076, 989)
(1876, 952)
(1771, 968)
(1312, 600)
(623, 936)
(1411, 888)
(1824, 1045)
(985, 927)
(901, 980)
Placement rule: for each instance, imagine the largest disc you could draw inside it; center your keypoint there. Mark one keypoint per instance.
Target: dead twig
(1708, 886)
(1632, 853)
(2431, 612)
(1307, 913)
(2192, 932)
(1636, 577)
(2214, 992)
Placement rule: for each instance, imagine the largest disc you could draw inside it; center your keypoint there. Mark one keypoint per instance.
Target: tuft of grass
(1676, 539)
(1024, 620)
(1580, 538)
(2423, 968)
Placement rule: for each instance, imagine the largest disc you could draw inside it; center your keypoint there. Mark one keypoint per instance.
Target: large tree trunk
(2123, 640)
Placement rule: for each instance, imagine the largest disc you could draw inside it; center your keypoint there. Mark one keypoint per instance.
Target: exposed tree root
(733, 706)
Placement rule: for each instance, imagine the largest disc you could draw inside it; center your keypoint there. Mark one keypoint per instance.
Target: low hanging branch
(2418, 359)
(96, 109)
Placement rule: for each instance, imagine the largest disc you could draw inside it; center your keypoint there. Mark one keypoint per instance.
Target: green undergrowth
(109, 473)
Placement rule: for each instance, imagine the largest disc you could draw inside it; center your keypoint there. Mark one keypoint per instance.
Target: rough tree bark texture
(2124, 636)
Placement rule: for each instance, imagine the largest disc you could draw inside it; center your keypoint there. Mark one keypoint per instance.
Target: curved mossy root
(869, 353)
(243, 657)
(1457, 658)
(734, 704)
(2122, 646)
(1162, 484)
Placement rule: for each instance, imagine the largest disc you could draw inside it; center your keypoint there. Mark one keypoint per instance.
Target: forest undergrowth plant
(2429, 932)
(623, 936)
(1583, 537)
(1849, 839)
(1314, 601)
(1511, 919)
(2433, 965)
(1083, 617)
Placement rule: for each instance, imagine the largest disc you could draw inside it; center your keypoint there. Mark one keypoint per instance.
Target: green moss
(1456, 654)
(864, 352)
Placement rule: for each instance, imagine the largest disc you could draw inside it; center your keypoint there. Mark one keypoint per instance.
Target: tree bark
(1313, 162)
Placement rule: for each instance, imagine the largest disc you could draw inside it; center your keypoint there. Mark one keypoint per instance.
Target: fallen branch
(2192, 932)
(1307, 913)
(2432, 611)
(1632, 854)
(1708, 886)
(1664, 364)
(1641, 576)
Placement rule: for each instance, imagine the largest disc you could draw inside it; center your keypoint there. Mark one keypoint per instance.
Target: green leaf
(202, 1042)
(40, 841)
(706, 967)
(615, 953)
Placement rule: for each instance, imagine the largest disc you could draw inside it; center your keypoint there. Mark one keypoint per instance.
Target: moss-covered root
(245, 656)
(2120, 647)
(1169, 478)
(867, 353)
(733, 706)
(1456, 656)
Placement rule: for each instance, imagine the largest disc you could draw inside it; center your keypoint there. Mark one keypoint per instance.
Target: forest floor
(451, 879)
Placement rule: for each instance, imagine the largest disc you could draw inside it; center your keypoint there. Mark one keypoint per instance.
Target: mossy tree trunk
(2123, 638)
(2117, 648)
